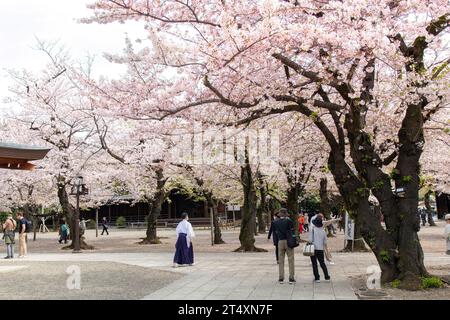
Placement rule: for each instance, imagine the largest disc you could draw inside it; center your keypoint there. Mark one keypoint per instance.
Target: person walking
(273, 234)
(306, 222)
(184, 250)
(301, 221)
(423, 216)
(105, 226)
(447, 232)
(318, 238)
(22, 234)
(284, 228)
(9, 236)
(63, 232)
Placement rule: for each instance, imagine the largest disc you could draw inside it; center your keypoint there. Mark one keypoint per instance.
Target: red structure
(18, 157)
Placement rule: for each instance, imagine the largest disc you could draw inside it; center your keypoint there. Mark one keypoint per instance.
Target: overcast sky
(21, 21)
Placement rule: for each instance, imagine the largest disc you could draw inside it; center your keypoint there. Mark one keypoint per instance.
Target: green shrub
(432, 282)
(384, 255)
(121, 222)
(395, 283)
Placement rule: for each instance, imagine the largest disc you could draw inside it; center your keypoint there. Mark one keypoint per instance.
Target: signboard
(349, 227)
(233, 207)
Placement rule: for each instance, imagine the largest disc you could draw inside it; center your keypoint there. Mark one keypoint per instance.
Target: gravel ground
(99, 280)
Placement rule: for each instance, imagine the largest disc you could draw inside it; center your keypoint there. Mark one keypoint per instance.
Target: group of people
(64, 229)
(22, 226)
(282, 230)
(9, 234)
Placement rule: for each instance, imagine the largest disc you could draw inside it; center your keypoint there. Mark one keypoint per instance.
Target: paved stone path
(241, 276)
(222, 276)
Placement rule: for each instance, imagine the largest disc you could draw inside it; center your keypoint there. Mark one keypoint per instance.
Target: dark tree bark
(262, 207)
(325, 203)
(68, 214)
(155, 208)
(213, 204)
(248, 222)
(428, 207)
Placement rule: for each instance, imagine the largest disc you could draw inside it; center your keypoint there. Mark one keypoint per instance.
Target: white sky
(21, 21)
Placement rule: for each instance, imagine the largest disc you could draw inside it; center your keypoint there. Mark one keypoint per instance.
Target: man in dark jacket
(274, 236)
(283, 228)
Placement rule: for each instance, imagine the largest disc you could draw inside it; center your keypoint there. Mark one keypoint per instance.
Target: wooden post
(212, 225)
(96, 222)
(234, 218)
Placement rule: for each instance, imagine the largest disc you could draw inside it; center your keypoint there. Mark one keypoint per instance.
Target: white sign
(234, 207)
(349, 227)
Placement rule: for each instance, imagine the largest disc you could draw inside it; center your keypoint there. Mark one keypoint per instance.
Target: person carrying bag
(287, 241)
(9, 236)
(318, 239)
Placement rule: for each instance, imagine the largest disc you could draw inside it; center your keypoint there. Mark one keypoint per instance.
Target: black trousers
(319, 255)
(105, 229)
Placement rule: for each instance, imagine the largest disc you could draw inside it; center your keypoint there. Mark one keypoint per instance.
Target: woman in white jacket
(318, 237)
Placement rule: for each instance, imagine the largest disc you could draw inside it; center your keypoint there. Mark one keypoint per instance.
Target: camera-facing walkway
(226, 276)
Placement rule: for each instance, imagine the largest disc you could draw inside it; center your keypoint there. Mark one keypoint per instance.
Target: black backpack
(28, 226)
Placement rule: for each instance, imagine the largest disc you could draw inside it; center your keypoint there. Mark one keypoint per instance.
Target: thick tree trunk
(325, 204)
(262, 208)
(427, 201)
(292, 205)
(217, 231)
(155, 208)
(69, 213)
(212, 204)
(248, 225)
(397, 248)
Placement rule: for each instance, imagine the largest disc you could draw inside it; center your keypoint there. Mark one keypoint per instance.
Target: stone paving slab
(242, 276)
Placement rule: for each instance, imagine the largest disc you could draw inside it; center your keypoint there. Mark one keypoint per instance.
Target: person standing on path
(273, 234)
(105, 226)
(318, 237)
(63, 232)
(306, 223)
(22, 234)
(301, 222)
(284, 228)
(447, 232)
(423, 216)
(9, 236)
(184, 250)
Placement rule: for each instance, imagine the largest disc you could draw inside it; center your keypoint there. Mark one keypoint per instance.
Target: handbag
(309, 249)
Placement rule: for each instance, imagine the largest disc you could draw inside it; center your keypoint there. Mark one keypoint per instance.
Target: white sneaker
(316, 281)
(175, 265)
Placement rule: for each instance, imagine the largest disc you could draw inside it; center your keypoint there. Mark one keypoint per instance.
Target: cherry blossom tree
(367, 74)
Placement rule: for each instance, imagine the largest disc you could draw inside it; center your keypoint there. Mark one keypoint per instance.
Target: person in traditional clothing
(447, 232)
(184, 251)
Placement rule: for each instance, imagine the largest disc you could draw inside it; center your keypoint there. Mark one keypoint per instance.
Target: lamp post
(78, 188)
